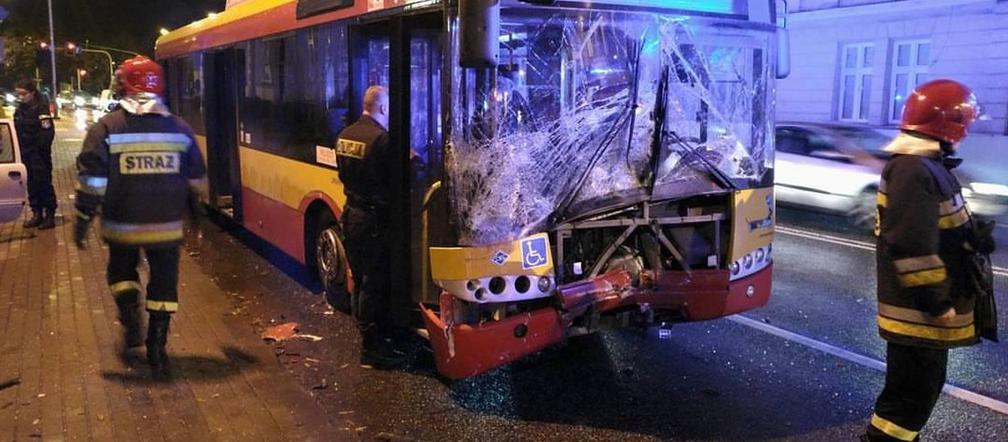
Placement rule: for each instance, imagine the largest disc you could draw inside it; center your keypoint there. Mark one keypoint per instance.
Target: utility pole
(52, 60)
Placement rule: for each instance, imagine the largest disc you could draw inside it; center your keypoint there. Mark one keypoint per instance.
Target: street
(803, 368)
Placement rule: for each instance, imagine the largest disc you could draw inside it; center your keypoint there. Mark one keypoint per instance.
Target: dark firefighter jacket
(139, 168)
(923, 227)
(364, 158)
(34, 125)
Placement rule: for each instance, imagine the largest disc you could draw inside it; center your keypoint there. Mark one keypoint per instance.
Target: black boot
(129, 318)
(48, 219)
(37, 217)
(376, 352)
(157, 338)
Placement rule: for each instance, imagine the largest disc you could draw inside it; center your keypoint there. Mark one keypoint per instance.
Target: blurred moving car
(836, 168)
(65, 100)
(107, 101)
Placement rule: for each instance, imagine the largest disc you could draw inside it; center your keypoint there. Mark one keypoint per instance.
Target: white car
(12, 174)
(836, 168)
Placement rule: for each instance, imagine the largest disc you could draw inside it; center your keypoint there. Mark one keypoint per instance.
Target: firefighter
(141, 167)
(35, 133)
(925, 236)
(364, 156)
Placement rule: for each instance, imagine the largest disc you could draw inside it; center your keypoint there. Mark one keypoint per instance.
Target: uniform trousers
(41, 194)
(162, 289)
(914, 380)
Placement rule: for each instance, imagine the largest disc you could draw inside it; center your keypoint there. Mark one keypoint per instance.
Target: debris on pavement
(280, 332)
(307, 337)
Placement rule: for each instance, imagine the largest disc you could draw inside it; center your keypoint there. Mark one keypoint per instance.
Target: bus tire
(331, 264)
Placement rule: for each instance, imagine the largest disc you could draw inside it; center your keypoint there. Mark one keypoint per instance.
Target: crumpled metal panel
(567, 119)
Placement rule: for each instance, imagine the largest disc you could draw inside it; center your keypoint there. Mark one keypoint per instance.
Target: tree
(20, 59)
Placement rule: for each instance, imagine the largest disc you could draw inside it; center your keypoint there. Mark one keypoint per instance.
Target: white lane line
(951, 390)
(999, 271)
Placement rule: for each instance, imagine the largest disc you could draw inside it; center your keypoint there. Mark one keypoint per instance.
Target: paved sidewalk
(61, 374)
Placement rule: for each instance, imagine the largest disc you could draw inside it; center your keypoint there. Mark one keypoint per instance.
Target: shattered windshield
(567, 123)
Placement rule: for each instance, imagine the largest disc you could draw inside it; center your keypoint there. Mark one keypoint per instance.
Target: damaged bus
(565, 165)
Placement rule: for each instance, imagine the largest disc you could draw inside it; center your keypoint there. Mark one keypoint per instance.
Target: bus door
(403, 53)
(423, 97)
(223, 79)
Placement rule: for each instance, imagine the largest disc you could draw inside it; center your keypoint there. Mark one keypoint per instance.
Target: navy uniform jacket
(140, 167)
(34, 125)
(365, 157)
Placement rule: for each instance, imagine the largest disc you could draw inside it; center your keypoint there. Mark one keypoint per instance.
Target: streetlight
(52, 59)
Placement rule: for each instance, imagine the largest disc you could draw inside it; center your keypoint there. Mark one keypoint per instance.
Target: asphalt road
(803, 368)
(726, 380)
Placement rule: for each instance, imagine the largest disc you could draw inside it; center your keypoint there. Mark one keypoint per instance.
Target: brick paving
(62, 376)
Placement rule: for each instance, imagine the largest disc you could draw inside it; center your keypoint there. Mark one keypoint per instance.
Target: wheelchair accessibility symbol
(535, 253)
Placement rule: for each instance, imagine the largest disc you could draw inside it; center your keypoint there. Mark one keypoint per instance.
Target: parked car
(836, 168)
(12, 174)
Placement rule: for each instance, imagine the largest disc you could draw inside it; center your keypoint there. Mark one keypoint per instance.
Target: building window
(855, 81)
(910, 63)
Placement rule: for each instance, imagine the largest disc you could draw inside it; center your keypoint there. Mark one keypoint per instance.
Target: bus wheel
(331, 264)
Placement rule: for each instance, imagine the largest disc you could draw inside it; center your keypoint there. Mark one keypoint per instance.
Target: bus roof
(246, 19)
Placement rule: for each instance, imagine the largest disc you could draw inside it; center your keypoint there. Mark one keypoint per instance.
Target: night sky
(126, 24)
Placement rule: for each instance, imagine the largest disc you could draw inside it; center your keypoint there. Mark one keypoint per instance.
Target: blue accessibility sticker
(535, 252)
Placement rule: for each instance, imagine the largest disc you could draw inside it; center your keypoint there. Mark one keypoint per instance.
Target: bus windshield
(590, 110)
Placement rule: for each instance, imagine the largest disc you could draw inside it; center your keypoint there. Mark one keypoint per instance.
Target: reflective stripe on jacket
(139, 169)
(922, 229)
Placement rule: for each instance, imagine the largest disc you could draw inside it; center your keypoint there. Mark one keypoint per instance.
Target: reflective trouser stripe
(162, 306)
(952, 334)
(923, 277)
(882, 199)
(888, 427)
(125, 286)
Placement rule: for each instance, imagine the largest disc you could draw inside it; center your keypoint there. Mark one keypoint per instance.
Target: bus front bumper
(463, 350)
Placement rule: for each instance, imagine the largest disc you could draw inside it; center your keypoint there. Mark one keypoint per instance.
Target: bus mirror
(783, 53)
(479, 33)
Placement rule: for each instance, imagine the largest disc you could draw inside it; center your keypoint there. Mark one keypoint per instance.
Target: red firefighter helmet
(943, 109)
(140, 75)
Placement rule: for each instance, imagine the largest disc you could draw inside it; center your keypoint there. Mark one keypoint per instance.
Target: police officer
(140, 166)
(35, 135)
(926, 235)
(364, 157)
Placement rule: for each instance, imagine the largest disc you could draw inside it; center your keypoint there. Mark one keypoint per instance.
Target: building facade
(856, 60)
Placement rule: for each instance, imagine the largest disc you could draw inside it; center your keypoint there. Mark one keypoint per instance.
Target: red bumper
(463, 350)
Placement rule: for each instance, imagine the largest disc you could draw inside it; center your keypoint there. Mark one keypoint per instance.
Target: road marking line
(999, 271)
(951, 390)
